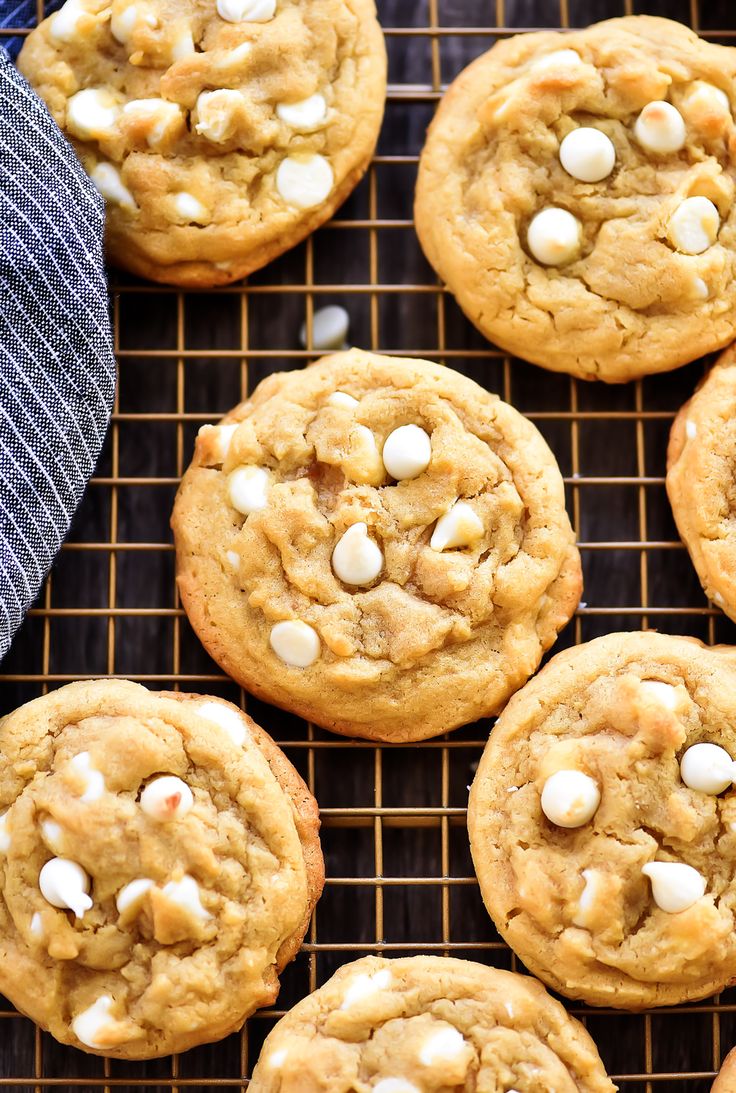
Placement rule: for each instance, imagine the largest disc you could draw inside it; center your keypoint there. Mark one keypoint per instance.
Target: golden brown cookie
(726, 1078)
(160, 862)
(376, 544)
(700, 480)
(220, 132)
(603, 821)
(576, 193)
(429, 1023)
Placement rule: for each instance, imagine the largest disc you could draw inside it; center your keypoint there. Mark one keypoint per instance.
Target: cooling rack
(399, 875)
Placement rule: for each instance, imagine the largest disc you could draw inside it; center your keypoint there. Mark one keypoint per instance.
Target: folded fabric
(57, 369)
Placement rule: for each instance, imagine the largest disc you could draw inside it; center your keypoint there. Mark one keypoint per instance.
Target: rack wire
(399, 875)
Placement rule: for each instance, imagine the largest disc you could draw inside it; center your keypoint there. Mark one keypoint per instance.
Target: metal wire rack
(400, 879)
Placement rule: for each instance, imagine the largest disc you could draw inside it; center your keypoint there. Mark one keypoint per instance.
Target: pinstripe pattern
(57, 370)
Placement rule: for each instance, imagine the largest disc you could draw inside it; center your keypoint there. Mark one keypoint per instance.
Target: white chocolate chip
(108, 181)
(91, 114)
(459, 527)
(131, 896)
(64, 883)
(189, 208)
(587, 154)
(233, 558)
(162, 119)
(36, 926)
(589, 898)
(704, 98)
(691, 430)
(295, 642)
(276, 1059)
(88, 1025)
(63, 26)
(570, 798)
(700, 288)
(247, 488)
(125, 19)
(92, 779)
(675, 886)
(708, 768)
(565, 58)
(246, 11)
(660, 128)
(304, 180)
(554, 237)
(340, 398)
(217, 114)
(166, 799)
(305, 115)
(228, 720)
(364, 985)
(664, 693)
(694, 225)
(4, 833)
(394, 1085)
(52, 835)
(447, 1043)
(185, 893)
(407, 452)
(356, 559)
(220, 440)
(329, 328)
(183, 45)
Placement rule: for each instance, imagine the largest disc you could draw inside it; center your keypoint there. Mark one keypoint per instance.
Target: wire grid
(399, 875)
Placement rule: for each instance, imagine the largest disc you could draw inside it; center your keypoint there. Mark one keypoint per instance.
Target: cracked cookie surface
(221, 132)
(393, 606)
(701, 458)
(159, 862)
(628, 274)
(602, 821)
(424, 1023)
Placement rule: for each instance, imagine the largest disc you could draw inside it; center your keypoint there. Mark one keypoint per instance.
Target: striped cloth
(57, 369)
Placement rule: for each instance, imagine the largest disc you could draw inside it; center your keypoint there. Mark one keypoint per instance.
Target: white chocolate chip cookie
(579, 201)
(159, 862)
(219, 133)
(376, 544)
(611, 868)
(428, 1023)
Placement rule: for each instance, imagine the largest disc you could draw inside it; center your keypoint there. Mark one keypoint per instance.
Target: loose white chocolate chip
(185, 893)
(295, 642)
(91, 114)
(160, 118)
(183, 45)
(329, 328)
(407, 452)
(166, 799)
(132, 894)
(394, 1085)
(554, 237)
(445, 1044)
(305, 115)
(562, 57)
(304, 180)
(36, 926)
(217, 114)
(232, 723)
(356, 559)
(660, 128)
(589, 897)
(663, 692)
(694, 225)
(700, 288)
(65, 884)
(570, 798)
(88, 1025)
(108, 181)
(63, 25)
(247, 488)
(124, 20)
(246, 11)
(363, 986)
(691, 430)
(587, 154)
(92, 780)
(4, 833)
(459, 527)
(340, 398)
(52, 835)
(675, 886)
(189, 208)
(708, 768)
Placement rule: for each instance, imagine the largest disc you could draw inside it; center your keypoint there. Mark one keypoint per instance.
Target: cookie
(602, 821)
(220, 132)
(576, 193)
(159, 860)
(700, 483)
(424, 1023)
(726, 1078)
(376, 544)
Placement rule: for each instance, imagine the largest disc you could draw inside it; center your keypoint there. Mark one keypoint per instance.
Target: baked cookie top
(726, 1078)
(576, 193)
(220, 132)
(700, 480)
(160, 860)
(428, 1022)
(377, 544)
(603, 821)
